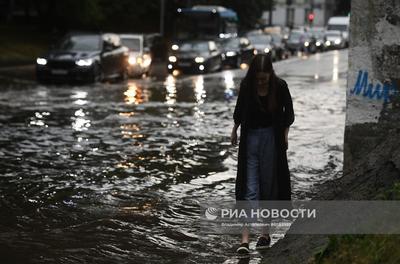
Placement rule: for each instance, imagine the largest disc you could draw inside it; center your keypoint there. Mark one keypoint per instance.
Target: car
(342, 24)
(139, 54)
(236, 51)
(300, 40)
(199, 56)
(310, 43)
(319, 35)
(334, 39)
(253, 32)
(263, 43)
(280, 46)
(86, 57)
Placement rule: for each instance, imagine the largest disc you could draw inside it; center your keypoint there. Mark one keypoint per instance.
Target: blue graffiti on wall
(369, 90)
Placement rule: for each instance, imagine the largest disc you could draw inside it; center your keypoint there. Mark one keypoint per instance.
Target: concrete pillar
(373, 98)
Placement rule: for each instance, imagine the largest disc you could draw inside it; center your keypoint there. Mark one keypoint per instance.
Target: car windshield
(277, 38)
(132, 43)
(231, 43)
(318, 34)
(198, 46)
(295, 36)
(80, 43)
(260, 39)
(337, 27)
(333, 34)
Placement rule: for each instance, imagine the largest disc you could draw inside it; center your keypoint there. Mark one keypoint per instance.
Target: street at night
(114, 172)
(199, 131)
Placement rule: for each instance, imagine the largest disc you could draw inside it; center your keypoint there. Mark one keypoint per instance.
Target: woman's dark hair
(262, 63)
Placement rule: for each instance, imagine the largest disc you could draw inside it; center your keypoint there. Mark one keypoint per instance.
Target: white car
(139, 60)
(334, 39)
(341, 23)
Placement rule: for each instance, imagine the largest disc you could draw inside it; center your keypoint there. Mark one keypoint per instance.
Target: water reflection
(134, 94)
(130, 131)
(200, 95)
(170, 85)
(229, 84)
(199, 91)
(335, 73)
(80, 122)
(170, 99)
(79, 96)
(39, 119)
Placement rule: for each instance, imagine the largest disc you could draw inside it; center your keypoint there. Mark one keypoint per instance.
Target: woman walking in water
(264, 110)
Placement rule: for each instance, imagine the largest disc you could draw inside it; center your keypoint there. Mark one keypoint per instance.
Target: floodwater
(115, 173)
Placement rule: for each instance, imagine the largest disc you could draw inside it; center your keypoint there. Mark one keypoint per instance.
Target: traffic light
(311, 17)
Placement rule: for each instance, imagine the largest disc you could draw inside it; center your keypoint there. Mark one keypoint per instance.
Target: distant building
(16, 10)
(296, 13)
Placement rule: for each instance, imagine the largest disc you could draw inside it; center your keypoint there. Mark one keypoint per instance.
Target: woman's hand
(234, 135)
(286, 142)
(286, 138)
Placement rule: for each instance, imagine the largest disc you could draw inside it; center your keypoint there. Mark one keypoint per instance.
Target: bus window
(205, 23)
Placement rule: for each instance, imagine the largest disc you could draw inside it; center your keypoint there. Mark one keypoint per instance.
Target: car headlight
(230, 53)
(146, 60)
(255, 52)
(172, 58)
(41, 61)
(337, 41)
(318, 43)
(84, 62)
(306, 43)
(199, 59)
(266, 50)
(328, 43)
(175, 47)
(132, 60)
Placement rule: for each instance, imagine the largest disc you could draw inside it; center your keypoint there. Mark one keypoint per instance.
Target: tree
(133, 16)
(69, 14)
(342, 7)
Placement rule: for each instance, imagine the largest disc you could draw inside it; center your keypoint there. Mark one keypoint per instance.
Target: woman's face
(262, 79)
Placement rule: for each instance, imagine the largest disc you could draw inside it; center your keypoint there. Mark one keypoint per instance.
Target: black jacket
(285, 118)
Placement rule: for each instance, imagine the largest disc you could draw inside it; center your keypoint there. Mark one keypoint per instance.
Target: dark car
(319, 35)
(296, 41)
(263, 43)
(84, 57)
(195, 56)
(280, 46)
(310, 43)
(236, 51)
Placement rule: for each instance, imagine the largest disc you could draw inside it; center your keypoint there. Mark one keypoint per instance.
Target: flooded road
(114, 173)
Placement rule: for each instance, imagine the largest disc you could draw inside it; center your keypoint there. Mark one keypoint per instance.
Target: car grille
(186, 60)
(61, 64)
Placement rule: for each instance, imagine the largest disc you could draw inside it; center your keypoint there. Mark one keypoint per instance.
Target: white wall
(373, 96)
(279, 14)
(375, 51)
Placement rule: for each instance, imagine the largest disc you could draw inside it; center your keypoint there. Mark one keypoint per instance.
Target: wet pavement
(115, 173)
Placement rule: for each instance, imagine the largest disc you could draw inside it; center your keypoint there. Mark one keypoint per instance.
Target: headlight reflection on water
(134, 94)
(80, 122)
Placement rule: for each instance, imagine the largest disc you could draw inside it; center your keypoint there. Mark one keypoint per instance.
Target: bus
(205, 23)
